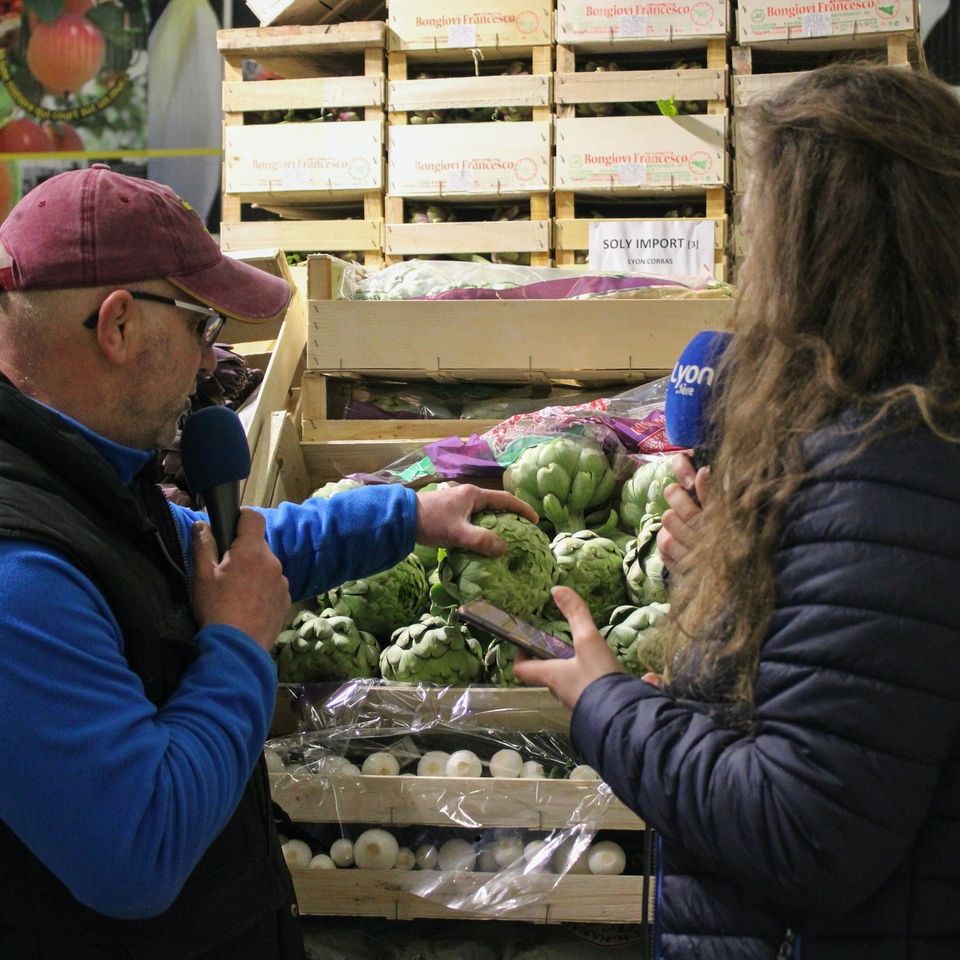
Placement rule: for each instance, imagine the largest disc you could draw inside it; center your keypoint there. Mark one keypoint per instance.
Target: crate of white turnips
(419, 801)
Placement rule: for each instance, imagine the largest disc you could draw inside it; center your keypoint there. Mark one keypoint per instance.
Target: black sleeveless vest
(238, 903)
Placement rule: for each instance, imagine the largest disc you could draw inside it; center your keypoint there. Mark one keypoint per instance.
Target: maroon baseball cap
(95, 227)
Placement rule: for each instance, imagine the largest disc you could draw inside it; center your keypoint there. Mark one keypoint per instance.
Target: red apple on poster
(23, 136)
(65, 53)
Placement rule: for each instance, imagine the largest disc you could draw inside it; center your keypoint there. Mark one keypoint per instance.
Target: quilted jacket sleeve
(857, 695)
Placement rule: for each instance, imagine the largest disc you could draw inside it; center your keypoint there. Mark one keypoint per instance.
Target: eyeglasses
(207, 330)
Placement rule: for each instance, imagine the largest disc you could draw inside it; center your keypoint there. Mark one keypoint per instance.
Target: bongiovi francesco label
(616, 153)
(769, 21)
(582, 21)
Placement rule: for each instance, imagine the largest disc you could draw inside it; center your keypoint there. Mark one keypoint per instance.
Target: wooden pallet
(322, 182)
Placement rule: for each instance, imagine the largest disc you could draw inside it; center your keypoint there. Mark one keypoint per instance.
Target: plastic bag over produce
(474, 791)
(455, 280)
(625, 425)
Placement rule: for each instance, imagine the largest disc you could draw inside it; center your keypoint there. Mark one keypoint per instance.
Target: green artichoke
(432, 651)
(442, 604)
(334, 487)
(325, 647)
(591, 565)
(381, 603)
(642, 493)
(643, 567)
(564, 480)
(637, 637)
(518, 581)
(498, 663)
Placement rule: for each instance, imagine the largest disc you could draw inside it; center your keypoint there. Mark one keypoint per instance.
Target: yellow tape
(115, 154)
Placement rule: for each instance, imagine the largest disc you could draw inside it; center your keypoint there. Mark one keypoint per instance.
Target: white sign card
(462, 35)
(677, 248)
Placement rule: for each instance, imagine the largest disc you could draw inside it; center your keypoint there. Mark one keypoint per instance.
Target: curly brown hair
(849, 299)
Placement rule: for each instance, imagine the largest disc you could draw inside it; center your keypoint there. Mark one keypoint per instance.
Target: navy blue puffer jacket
(838, 816)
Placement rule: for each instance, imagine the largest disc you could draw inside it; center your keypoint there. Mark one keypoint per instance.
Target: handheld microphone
(692, 384)
(215, 457)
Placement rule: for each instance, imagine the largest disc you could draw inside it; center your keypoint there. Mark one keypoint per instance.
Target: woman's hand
(686, 499)
(567, 679)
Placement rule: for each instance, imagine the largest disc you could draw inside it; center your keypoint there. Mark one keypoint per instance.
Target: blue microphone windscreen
(692, 382)
(213, 449)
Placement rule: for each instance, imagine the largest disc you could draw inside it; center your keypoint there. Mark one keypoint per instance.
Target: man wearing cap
(136, 687)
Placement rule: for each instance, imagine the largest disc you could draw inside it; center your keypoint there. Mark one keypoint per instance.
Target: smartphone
(538, 643)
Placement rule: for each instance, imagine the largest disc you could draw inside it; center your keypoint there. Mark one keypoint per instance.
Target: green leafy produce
(518, 581)
(325, 647)
(642, 493)
(643, 567)
(591, 565)
(334, 487)
(637, 637)
(432, 650)
(378, 604)
(442, 603)
(564, 480)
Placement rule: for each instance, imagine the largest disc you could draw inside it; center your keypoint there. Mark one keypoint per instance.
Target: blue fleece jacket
(117, 798)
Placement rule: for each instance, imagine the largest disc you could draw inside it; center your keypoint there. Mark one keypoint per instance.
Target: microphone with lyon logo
(692, 384)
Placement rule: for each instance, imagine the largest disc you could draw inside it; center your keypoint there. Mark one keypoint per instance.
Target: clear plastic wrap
(493, 822)
(627, 425)
(455, 280)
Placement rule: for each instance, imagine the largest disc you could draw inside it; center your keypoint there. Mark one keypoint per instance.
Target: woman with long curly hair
(800, 758)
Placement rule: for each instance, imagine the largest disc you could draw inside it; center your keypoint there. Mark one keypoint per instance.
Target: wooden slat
(274, 390)
(313, 235)
(303, 94)
(406, 801)
(315, 428)
(468, 92)
(539, 898)
(258, 42)
(544, 335)
(639, 86)
(494, 236)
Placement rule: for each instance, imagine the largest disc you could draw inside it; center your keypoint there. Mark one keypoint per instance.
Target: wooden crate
(840, 24)
(438, 26)
(316, 424)
(536, 806)
(573, 87)
(587, 340)
(477, 86)
(607, 28)
(761, 70)
(322, 181)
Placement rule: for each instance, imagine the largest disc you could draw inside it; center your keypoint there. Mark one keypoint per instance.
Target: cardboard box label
(610, 153)
(428, 24)
(478, 159)
(308, 157)
(584, 21)
(822, 18)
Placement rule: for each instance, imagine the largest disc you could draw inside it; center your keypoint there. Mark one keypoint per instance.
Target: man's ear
(114, 326)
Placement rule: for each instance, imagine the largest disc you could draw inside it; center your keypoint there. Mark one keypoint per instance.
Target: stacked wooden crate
(641, 119)
(531, 808)
(470, 129)
(775, 44)
(321, 181)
